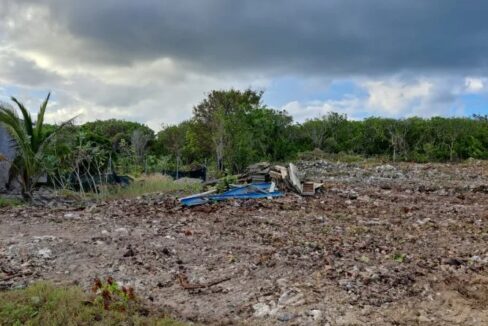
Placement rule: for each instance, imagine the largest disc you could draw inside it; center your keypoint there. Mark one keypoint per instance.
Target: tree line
(234, 128)
(229, 130)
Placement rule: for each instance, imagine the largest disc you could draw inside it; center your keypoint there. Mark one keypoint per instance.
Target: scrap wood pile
(261, 180)
(285, 178)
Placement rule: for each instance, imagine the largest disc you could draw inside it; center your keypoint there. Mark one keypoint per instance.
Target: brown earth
(381, 245)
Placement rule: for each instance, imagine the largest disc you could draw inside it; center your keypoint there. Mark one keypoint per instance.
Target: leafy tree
(316, 130)
(397, 132)
(217, 114)
(140, 140)
(114, 131)
(271, 134)
(173, 139)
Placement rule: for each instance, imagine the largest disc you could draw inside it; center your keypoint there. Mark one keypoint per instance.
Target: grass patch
(9, 202)
(46, 304)
(150, 184)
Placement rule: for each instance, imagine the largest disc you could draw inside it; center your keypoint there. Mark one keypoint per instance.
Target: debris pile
(261, 180)
(286, 178)
(248, 191)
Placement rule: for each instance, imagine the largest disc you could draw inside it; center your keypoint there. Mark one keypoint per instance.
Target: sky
(151, 61)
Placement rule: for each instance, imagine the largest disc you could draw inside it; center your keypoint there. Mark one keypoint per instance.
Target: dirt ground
(381, 245)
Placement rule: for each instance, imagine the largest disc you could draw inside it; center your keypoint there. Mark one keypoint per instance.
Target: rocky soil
(380, 245)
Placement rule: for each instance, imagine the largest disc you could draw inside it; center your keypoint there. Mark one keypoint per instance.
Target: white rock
(261, 309)
(315, 314)
(45, 253)
(291, 297)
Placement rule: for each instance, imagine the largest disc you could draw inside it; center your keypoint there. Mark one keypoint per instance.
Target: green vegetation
(31, 143)
(233, 128)
(46, 304)
(229, 130)
(9, 202)
(150, 184)
(399, 257)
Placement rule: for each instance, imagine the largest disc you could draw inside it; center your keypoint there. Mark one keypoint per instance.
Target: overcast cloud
(151, 61)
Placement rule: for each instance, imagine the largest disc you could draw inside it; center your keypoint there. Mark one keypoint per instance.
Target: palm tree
(30, 140)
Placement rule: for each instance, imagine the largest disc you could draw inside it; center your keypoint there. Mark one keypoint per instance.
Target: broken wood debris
(261, 180)
(285, 178)
(183, 280)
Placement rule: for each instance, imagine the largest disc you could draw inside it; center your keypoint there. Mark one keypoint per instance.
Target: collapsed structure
(286, 178)
(261, 180)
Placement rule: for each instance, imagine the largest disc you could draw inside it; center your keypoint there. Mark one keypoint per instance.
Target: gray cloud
(311, 36)
(151, 60)
(18, 70)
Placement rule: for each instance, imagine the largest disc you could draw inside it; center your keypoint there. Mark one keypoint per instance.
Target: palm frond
(10, 120)
(15, 170)
(26, 117)
(24, 161)
(40, 119)
(30, 142)
(14, 126)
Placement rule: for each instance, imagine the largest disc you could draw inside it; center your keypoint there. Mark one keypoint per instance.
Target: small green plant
(399, 257)
(225, 182)
(111, 296)
(341, 217)
(327, 230)
(357, 230)
(364, 259)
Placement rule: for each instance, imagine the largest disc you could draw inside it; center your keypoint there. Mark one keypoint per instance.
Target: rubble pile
(288, 178)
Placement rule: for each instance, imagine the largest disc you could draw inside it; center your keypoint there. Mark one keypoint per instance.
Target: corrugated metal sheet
(250, 191)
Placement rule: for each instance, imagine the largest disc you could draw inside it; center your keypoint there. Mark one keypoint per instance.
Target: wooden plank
(275, 175)
(202, 194)
(308, 189)
(293, 176)
(282, 170)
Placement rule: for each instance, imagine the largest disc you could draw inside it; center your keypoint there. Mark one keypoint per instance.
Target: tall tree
(316, 130)
(216, 113)
(397, 131)
(115, 131)
(140, 140)
(173, 139)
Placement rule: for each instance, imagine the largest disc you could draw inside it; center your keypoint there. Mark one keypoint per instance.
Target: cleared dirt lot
(381, 245)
